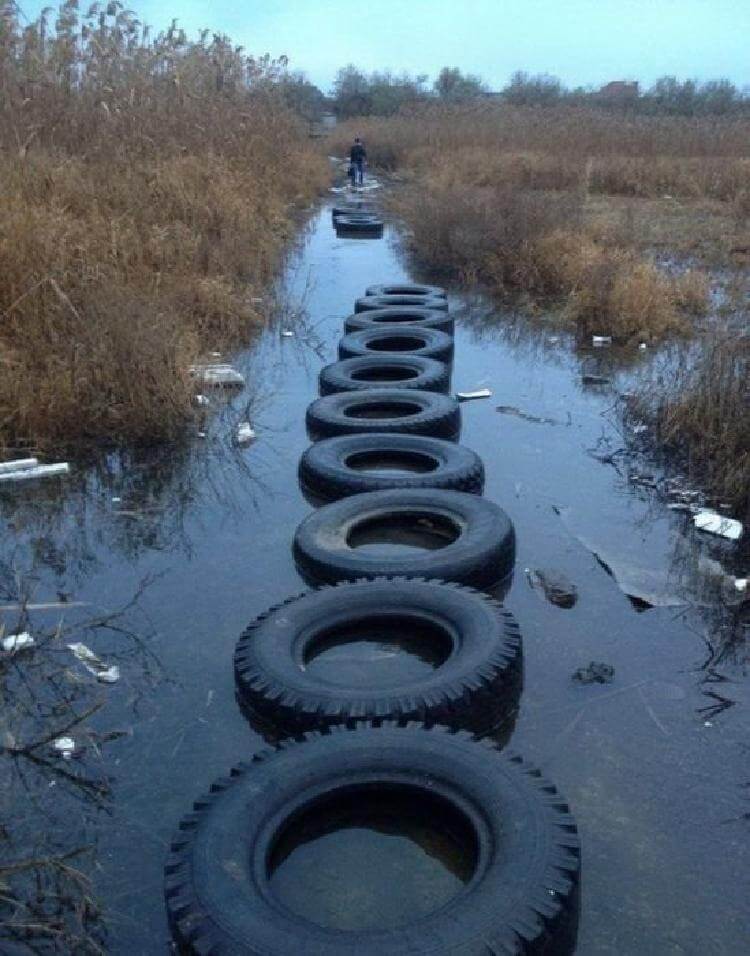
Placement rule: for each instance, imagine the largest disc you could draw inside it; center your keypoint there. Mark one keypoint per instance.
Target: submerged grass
(149, 189)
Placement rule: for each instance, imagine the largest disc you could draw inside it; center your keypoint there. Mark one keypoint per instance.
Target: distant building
(622, 91)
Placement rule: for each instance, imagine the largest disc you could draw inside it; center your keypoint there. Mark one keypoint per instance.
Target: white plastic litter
(18, 642)
(65, 746)
(643, 346)
(216, 354)
(107, 674)
(20, 464)
(599, 340)
(740, 584)
(245, 433)
(217, 375)
(36, 471)
(202, 400)
(287, 333)
(639, 429)
(468, 396)
(718, 524)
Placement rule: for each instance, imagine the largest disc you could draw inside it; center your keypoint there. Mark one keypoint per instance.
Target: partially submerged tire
(354, 464)
(276, 859)
(355, 225)
(448, 535)
(395, 316)
(371, 302)
(389, 648)
(404, 340)
(402, 410)
(407, 288)
(366, 372)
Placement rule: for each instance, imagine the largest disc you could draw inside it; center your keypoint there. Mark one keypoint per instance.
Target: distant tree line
(383, 93)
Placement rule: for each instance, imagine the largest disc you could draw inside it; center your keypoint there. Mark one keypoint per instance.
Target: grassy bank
(617, 224)
(563, 205)
(149, 187)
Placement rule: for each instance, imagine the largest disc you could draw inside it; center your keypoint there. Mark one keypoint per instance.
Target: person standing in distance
(357, 157)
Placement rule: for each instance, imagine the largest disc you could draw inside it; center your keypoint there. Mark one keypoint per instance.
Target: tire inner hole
(396, 343)
(381, 410)
(372, 857)
(403, 532)
(378, 650)
(387, 462)
(387, 373)
(406, 317)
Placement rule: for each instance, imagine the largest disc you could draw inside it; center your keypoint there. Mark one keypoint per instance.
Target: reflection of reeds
(145, 203)
(47, 803)
(701, 410)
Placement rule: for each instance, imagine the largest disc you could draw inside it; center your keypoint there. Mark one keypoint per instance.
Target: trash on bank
(202, 400)
(18, 642)
(65, 747)
(244, 434)
(468, 396)
(218, 375)
(595, 673)
(19, 464)
(718, 524)
(29, 471)
(107, 674)
(599, 340)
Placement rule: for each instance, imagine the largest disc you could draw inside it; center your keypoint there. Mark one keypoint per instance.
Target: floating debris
(287, 333)
(107, 674)
(17, 642)
(639, 429)
(469, 396)
(65, 747)
(589, 379)
(599, 340)
(19, 464)
(595, 673)
(28, 472)
(244, 434)
(218, 375)
(555, 586)
(512, 410)
(714, 523)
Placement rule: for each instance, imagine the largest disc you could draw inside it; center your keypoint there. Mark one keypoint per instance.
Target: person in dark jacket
(357, 157)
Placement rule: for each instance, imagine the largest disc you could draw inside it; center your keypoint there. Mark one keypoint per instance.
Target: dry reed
(149, 188)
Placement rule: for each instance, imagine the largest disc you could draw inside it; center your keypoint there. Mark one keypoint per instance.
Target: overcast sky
(581, 41)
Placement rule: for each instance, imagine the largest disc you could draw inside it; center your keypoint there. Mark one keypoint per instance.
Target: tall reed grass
(149, 189)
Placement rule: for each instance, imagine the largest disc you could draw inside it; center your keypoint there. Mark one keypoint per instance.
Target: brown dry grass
(565, 205)
(145, 204)
(701, 411)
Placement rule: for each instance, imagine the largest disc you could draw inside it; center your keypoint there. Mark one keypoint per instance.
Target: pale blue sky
(581, 41)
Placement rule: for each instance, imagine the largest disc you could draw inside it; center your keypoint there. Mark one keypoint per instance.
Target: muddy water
(655, 768)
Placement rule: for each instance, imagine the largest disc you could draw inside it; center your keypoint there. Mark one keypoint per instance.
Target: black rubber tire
(476, 688)
(369, 303)
(369, 226)
(406, 340)
(396, 316)
(384, 371)
(481, 555)
(434, 414)
(324, 470)
(407, 288)
(523, 899)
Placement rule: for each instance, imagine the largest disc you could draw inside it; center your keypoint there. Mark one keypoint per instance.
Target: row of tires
(376, 738)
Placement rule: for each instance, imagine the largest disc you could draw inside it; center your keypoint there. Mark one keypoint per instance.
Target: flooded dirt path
(658, 778)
